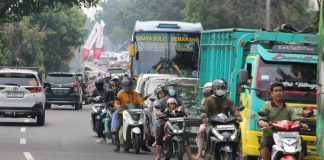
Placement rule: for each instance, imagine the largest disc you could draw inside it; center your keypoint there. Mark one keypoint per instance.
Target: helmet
(115, 78)
(208, 85)
(99, 83)
(172, 92)
(127, 82)
(219, 83)
(158, 89)
(172, 100)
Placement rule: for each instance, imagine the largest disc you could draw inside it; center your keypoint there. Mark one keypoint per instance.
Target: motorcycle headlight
(234, 135)
(217, 134)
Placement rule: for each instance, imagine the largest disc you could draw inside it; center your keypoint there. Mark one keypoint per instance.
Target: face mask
(220, 92)
(113, 87)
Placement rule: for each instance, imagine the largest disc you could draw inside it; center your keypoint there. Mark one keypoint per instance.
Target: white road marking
(27, 120)
(23, 129)
(22, 140)
(28, 156)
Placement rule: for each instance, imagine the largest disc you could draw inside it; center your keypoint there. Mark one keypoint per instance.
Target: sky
(90, 12)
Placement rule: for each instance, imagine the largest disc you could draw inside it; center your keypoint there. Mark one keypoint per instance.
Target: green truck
(250, 60)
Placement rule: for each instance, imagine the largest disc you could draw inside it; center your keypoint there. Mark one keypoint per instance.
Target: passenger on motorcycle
(124, 98)
(216, 104)
(278, 110)
(160, 93)
(207, 91)
(172, 105)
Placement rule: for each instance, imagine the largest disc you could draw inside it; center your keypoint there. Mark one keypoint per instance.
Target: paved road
(67, 135)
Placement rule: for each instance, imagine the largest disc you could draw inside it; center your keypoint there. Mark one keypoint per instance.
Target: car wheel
(80, 107)
(77, 106)
(48, 106)
(41, 119)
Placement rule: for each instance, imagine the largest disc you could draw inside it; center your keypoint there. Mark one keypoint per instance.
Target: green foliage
(14, 10)
(215, 14)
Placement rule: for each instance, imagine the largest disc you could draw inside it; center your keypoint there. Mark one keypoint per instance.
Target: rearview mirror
(243, 77)
(152, 99)
(263, 114)
(132, 50)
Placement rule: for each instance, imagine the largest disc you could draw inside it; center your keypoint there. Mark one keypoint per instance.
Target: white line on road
(27, 120)
(28, 156)
(22, 140)
(23, 129)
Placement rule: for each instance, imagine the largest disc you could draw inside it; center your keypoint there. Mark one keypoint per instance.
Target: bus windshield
(299, 80)
(173, 53)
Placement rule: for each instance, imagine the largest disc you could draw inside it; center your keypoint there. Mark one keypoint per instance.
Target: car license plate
(60, 91)
(15, 94)
(225, 127)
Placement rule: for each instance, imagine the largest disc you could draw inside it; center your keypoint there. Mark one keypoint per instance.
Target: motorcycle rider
(160, 93)
(163, 105)
(207, 91)
(278, 110)
(111, 90)
(124, 98)
(216, 104)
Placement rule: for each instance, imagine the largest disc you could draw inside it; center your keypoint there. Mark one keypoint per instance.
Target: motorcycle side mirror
(152, 99)
(309, 114)
(263, 114)
(241, 108)
(158, 106)
(203, 110)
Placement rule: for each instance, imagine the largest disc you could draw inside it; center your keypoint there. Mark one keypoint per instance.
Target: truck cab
(250, 60)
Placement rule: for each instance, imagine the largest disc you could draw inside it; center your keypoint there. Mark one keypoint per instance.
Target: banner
(90, 41)
(99, 41)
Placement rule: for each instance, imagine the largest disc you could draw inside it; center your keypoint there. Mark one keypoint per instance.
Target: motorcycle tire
(99, 128)
(137, 143)
(167, 150)
(224, 156)
(179, 151)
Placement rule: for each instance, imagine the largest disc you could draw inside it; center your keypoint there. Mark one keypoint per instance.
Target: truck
(320, 78)
(250, 60)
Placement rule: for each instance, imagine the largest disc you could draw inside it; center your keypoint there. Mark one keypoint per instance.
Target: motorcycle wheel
(179, 151)
(224, 156)
(99, 128)
(167, 150)
(137, 143)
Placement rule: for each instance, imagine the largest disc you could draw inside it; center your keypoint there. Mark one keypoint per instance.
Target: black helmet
(99, 83)
(219, 83)
(127, 82)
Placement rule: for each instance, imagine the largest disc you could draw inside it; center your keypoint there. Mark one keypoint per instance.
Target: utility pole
(267, 23)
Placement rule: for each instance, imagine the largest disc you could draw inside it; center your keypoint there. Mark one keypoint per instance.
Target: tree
(64, 32)
(14, 10)
(247, 13)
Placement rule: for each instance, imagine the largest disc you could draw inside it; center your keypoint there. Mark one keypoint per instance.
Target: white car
(21, 94)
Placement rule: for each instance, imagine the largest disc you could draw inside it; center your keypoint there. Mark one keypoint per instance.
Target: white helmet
(208, 85)
(172, 100)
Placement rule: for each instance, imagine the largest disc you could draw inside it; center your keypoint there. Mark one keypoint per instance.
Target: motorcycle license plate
(288, 134)
(225, 127)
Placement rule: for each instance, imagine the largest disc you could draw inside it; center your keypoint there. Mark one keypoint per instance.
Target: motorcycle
(287, 140)
(133, 128)
(174, 146)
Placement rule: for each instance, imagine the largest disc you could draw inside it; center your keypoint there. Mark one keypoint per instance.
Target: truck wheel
(41, 119)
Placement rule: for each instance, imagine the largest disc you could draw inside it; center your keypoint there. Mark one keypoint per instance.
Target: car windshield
(19, 79)
(186, 91)
(153, 84)
(60, 78)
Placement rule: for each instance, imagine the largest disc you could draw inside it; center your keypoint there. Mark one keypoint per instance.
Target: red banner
(86, 53)
(97, 53)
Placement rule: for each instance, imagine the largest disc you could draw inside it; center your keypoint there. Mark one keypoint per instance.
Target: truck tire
(40, 119)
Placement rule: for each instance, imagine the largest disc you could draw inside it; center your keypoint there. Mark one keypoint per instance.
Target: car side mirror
(46, 85)
(243, 77)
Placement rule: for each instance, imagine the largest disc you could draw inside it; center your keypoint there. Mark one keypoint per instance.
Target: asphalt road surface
(67, 135)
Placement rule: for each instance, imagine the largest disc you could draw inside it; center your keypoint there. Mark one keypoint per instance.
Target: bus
(167, 47)
(320, 95)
